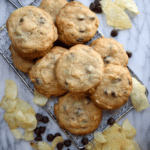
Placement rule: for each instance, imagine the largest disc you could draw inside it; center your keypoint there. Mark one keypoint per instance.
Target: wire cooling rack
(49, 108)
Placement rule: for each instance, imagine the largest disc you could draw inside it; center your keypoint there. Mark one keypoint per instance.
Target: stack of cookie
(87, 78)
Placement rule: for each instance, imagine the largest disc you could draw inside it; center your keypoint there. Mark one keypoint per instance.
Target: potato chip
(138, 97)
(17, 134)
(105, 4)
(117, 17)
(98, 136)
(131, 6)
(120, 3)
(128, 129)
(135, 145)
(44, 146)
(39, 99)
(8, 104)
(11, 90)
(91, 145)
(128, 145)
(34, 145)
(28, 135)
(58, 139)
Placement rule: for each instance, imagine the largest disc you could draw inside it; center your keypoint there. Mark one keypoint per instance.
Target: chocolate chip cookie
(114, 89)
(77, 114)
(112, 52)
(31, 31)
(76, 23)
(53, 7)
(19, 62)
(43, 74)
(80, 69)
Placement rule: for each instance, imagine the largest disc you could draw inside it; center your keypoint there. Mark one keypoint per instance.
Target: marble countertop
(136, 39)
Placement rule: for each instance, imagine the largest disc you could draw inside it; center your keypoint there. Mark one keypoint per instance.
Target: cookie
(76, 23)
(80, 69)
(114, 89)
(77, 114)
(19, 62)
(43, 74)
(31, 31)
(112, 52)
(53, 7)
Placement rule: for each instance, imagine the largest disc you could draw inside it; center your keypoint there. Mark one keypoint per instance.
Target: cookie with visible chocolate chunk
(19, 62)
(31, 31)
(53, 7)
(76, 23)
(80, 69)
(114, 89)
(112, 52)
(43, 73)
(77, 114)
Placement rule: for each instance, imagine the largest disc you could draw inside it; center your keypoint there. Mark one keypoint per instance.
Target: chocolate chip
(113, 94)
(129, 53)
(85, 141)
(67, 143)
(21, 20)
(88, 101)
(118, 79)
(68, 149)
(45, 119)
(83, 148)
(80, 40)
(39, 117)
(50, 137)
(97, 3)
(105, 59)
(129, 82)
(81, 30)
(38, 81)
(42, 20)
(98, 9)
(105, 91)
(80, 18)
(38, 138)
(57, 134)
(114, 33)
(66, 83)
(37, 131)
(111, 121)
(59, 146)
(42, 129)
(92, 7)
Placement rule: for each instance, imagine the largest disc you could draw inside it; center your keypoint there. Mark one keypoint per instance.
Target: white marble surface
(136, 39)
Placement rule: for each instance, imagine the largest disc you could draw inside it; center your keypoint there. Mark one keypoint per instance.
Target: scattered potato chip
(17, 134)
(28, 136)
(58, 139)
(34, 145)
(44, 146)
(39, 99)
(98, 136)
(138, 97)
(8, 104)
(128, 145)
(135, 145)
(128, 129)
(91, 145)
(117, 17)
(120, 3)
(11, 90)
(105, 4)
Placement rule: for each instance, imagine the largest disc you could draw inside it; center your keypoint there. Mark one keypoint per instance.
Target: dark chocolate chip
(39, 117)
(57, 134)
(50, 137)
(129, 82)
(37, 131)
(105, 91)
(21, 20)
(85, 141)
(111, 121)
(113, 94)
(80, 40)
(97, 3)
(68, 149)
(66, 83)
(81, 19)
(92, 18)
(98, 9)
(83, 148)
(38, 138)
(81, 30)
(92, 6)
(42, 129)
(37, 81)
(118, 79)
(88, 99)
(129, 53)
(114, 33)
(42, 20)
(59, 146)
(45, 119)
(67, 143)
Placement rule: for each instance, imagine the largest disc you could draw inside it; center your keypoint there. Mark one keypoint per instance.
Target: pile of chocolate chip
(96, 6)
